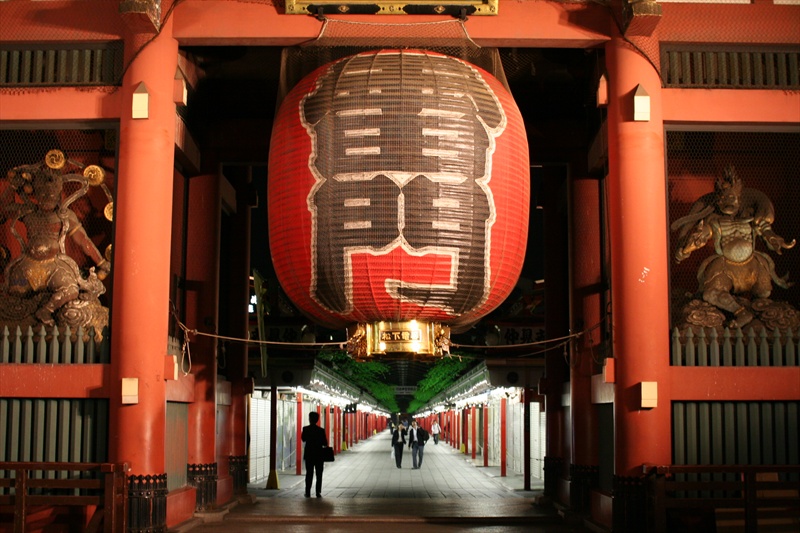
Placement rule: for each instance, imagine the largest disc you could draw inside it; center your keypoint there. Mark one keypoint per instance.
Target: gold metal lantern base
(379, 7)
(411, 339)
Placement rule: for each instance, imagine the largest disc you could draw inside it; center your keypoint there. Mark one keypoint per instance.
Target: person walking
(435, 430)
(315, 439)
(417, 437)
(398, 443)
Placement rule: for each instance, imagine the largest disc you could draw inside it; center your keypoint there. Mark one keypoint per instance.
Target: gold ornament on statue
(44, 284)
(95, 175)
(107, 253)
(108, 211)
(55, 159)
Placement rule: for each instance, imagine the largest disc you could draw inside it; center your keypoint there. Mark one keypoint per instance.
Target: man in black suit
(315, 439)
(417, 437)
(398, 443)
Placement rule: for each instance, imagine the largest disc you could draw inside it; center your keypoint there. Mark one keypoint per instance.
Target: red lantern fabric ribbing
(398, 190)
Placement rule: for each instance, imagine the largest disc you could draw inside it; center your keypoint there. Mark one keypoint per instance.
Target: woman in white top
(435, 430)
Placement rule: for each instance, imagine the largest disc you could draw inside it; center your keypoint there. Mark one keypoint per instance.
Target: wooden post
(503, 402)
(526, 438)
(337, 441)
(473, 413)
(299, 451)
(486, 435)
(639, 277)
(272, 480)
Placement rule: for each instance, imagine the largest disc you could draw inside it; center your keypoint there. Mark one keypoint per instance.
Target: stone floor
(363, 490)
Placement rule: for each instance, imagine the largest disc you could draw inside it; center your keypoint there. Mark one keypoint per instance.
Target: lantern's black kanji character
(402, 153)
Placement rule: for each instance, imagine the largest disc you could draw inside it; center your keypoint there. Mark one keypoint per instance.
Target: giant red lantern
(398, 197)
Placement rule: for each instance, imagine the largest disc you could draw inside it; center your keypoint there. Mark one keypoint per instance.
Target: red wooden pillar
(272, 479)
(328, 433)
(343, 436)
(556, 268)
(586, 295)
(337, 446)
(639, 273)
(473, 412)
(587, 312)
(503, 447)
(486, 435)
(202, 305)
(236, 325)
(460, 424)
(143, 231)
(298, 439)
(350, 429)
(465, 430)
(526, 438)
(345, 430)
(453, 430)
(457, 429)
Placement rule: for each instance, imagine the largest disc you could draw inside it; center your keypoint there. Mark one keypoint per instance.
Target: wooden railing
(37, 486)
(736, 348)
(750, 496)
(54, 346)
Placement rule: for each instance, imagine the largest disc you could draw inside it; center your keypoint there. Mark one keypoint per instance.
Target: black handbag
(327, 454)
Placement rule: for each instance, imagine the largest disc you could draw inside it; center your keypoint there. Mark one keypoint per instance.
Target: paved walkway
(363, 488)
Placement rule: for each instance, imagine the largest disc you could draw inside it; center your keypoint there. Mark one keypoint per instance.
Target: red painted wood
(141, 288)
(299, 446)
(474, 416)
(54, 381)
(503, 434)
(586, 315)
(710, 384)
(639, 277)
(202, 305)
(486, 435)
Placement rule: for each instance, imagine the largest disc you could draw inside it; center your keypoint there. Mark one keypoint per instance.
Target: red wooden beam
(731, 383)
(724, 105)
(55, 381)
(520, 24)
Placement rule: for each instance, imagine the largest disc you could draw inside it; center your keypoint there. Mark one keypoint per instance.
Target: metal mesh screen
(56, 197)
(767, 165)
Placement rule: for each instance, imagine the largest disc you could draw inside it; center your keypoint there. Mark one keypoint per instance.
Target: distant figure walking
(435, 430)
(417, 437)
(315, 439)
(398, 443)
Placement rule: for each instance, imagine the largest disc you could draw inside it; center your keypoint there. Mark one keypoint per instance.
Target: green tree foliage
(369, 375)
(441, 375)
